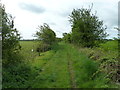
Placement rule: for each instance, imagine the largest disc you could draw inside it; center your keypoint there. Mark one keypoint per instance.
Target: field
(64, 66)
(67, 66)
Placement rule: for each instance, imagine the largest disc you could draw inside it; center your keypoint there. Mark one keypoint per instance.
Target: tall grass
(84, 69)
(107, 57)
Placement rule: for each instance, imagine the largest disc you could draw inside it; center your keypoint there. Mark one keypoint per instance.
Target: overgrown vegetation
(10, 38)
(89, 35)
(107, 57)
(82, 61)
(87, 29)
(47, 38)
(14, 71)
(46, 34)
(49, 71)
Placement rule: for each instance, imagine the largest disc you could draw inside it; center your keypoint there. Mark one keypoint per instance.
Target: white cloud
(32, 8)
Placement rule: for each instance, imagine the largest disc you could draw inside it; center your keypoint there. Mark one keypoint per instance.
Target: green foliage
(110, 46)
(25, 69)
(107, 57)
(10, 36)
(47, 38)
(45, 34)
(51, 68)
(67, 37)
(118, 33)
(42, 47)
(84, 69)
(16, 76)
(87, 29)
(15, 72)
(58, 39)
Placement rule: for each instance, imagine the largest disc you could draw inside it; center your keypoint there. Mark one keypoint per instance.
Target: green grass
(62, 67)
(47, 71)
(26, 52)
(55, 73)
(84, 68)
(52, 68)
(107, 57)
(108, 50)
(110, 46)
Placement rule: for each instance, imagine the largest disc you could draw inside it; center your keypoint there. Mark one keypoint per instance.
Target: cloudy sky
(31, 13)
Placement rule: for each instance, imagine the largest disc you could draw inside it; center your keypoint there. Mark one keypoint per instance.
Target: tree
(10, 36)
(46, 34)
(118, 32)
(87, 29)
(67, 37)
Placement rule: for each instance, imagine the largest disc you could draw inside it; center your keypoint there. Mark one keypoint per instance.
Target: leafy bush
(87, 29)
(17, 76)
(42, 47)
(10, 38)
(46, 34)
(107, 57)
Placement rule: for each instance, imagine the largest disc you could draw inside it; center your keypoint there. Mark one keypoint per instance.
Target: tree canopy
(10, 35)
(67, 37)
(46, 34)
(87, 29)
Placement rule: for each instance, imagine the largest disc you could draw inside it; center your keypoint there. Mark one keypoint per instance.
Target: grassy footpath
(53, 69)
(64, 67)
(83, 69)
